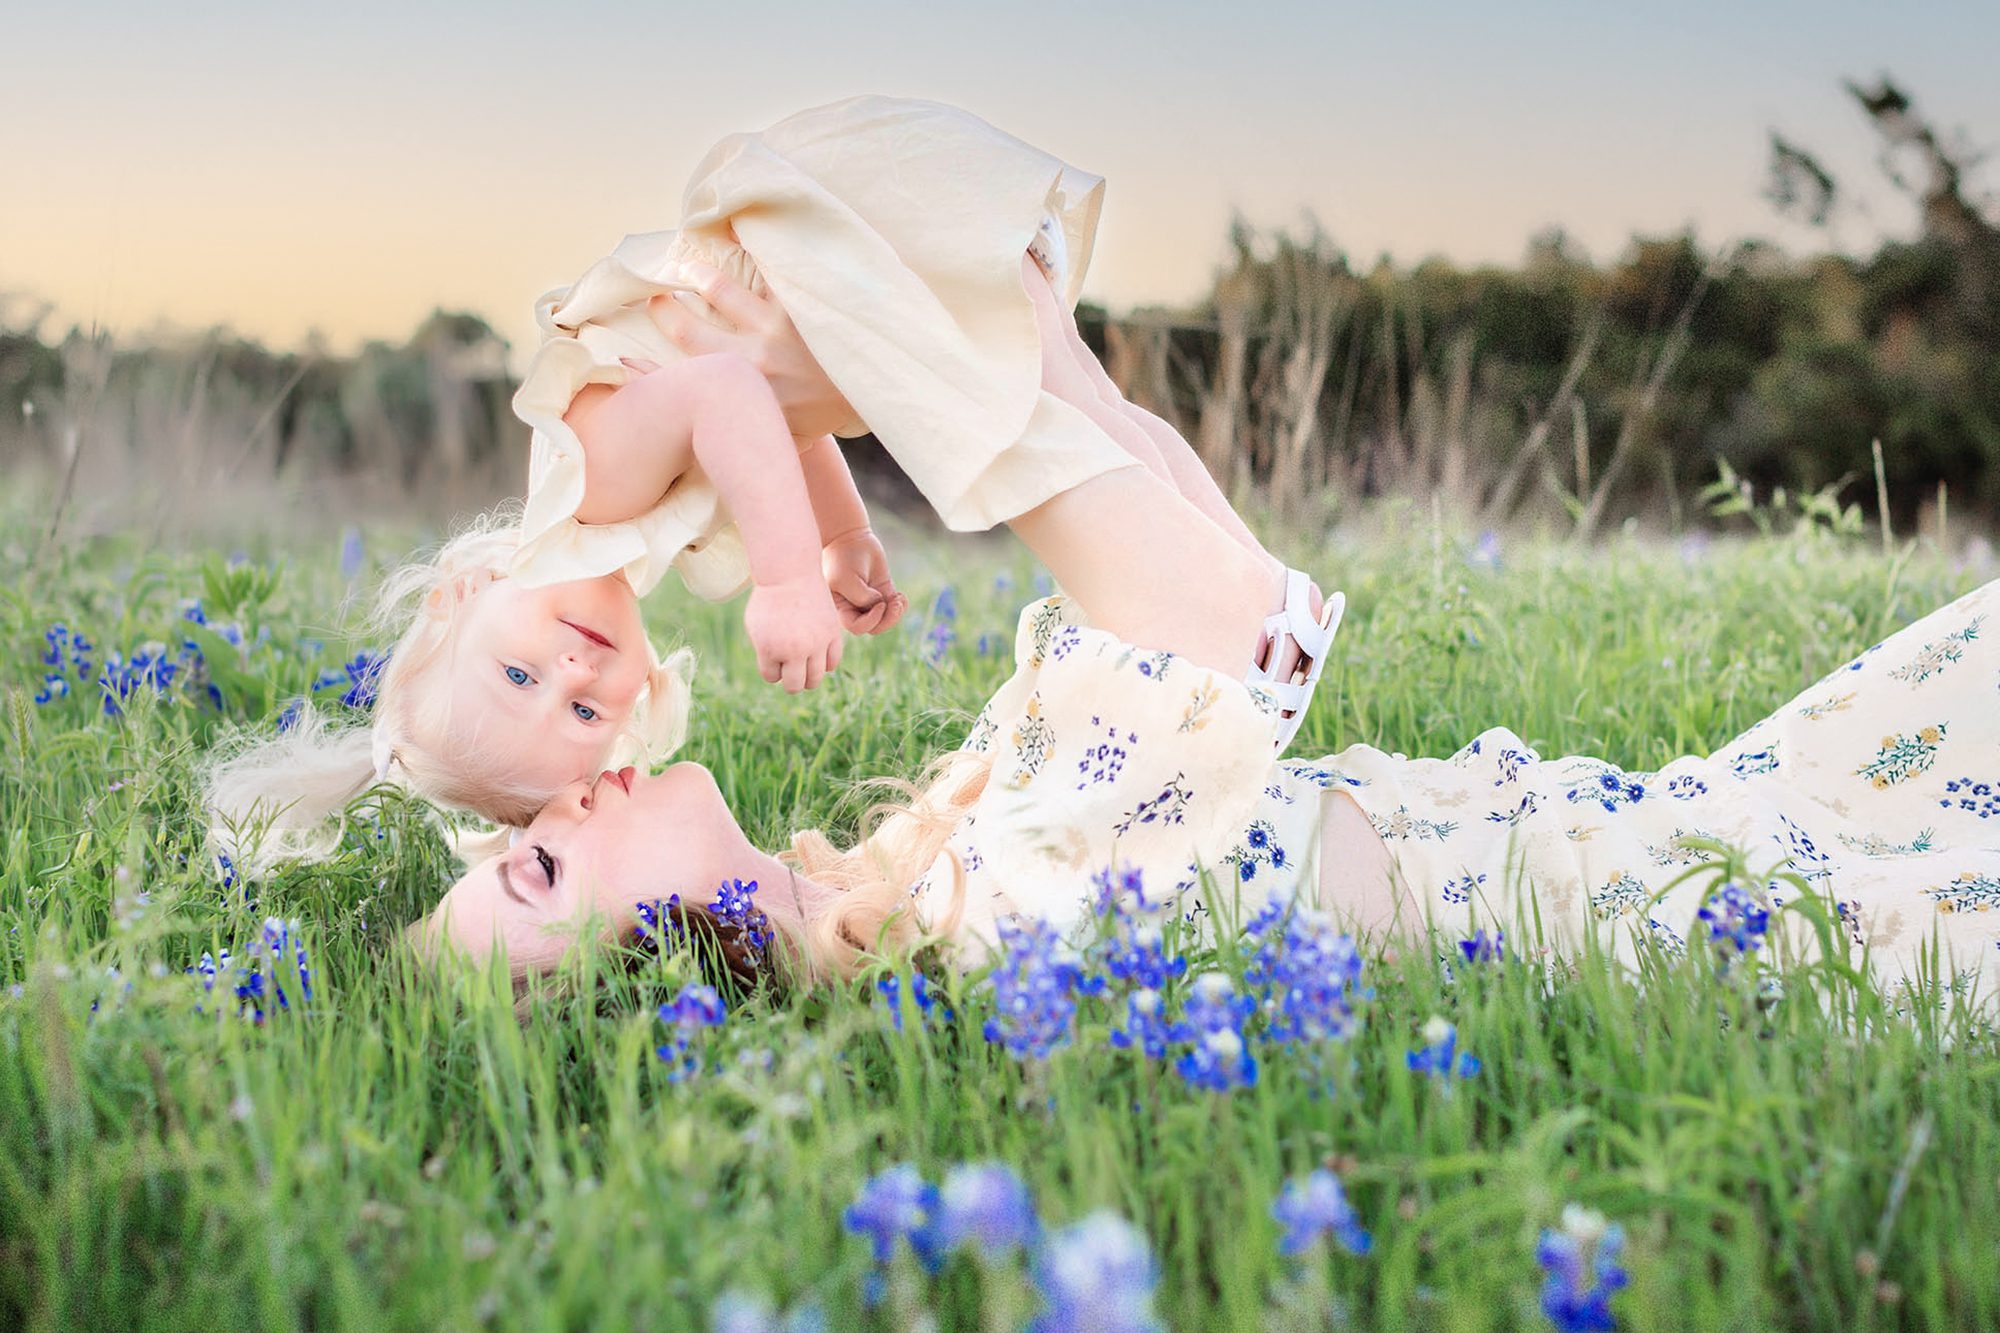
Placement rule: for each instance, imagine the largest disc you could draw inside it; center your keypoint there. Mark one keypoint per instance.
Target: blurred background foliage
(1561, 393)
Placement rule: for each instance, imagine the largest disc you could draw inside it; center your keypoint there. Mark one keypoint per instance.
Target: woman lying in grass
(1876, 794)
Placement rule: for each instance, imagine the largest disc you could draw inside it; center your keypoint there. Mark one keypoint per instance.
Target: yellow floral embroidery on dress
(1200, 699)
(1826, 708)
(1033, 738)
(1900, 757)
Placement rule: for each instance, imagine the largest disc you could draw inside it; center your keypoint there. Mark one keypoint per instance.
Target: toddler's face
(545, 678)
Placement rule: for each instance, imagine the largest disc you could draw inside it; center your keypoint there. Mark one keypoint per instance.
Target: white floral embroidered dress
(1879, 787)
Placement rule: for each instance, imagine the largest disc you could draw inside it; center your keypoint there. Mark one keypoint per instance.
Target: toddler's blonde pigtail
(276, 798)
(660, 724)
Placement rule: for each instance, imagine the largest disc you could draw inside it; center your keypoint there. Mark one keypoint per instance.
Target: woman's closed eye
(546, 862)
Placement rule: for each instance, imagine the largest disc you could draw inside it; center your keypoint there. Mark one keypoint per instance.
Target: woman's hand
(795, 630)
(762, 334)
(857, 574)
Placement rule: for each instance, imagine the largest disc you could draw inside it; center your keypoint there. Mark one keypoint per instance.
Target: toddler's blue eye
(585, 711)
(518, 676)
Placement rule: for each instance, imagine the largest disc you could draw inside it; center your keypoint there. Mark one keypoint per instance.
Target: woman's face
(595, 852)
(547, 677)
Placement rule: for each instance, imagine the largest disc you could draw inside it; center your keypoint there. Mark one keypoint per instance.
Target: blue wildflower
(733, 907)
(54, 687)
(695, 1008)
(352, 553)
(1583, 1271)
(1096, 1276)
(1213, 1021)
(1737, 922)
(1484, 948)
(984, 1205)
(1146, 1027)
(1439, 1056)
(1034, 990)
(363, 673)
(1305, 974)
(658, 923)
(945, 607)
(894, 1204)
(990, 645)
(1315, 1207)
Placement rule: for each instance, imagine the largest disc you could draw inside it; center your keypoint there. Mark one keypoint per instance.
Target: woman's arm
(763, 335)
(718, 412)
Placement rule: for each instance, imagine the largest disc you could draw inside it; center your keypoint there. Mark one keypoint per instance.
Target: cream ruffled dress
(1877, 791)
(892, 233)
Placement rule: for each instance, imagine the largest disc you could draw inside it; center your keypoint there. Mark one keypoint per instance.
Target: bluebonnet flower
(1146, 1027)
(991, 645)
(1306, 975)
(1315, 1207)
(894, 1204)
(891, 988)
(226, 868)
(1034, 990)
(1736, 921)
(659, 923)
(149, 668)
(945, 606)
(1121, 891)
(984, 1205)
(1096, 1276)
(938, 640)
(1583, 1271)
(275, 971)
(54, 687)
(364, 674)
(1136, 955)
(739, 1312)
(1439, 1056)
(1486, 553)
(695, 1008)
(733, 907)
(1484, 948)
(1213, 1022)
(289, 718)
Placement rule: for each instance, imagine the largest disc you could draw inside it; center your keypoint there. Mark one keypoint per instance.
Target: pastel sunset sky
(344, 168)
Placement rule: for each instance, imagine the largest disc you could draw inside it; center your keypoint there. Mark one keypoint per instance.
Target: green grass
(407, 1151)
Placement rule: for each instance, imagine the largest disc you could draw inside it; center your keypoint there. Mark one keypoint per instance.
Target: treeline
(1560, 391)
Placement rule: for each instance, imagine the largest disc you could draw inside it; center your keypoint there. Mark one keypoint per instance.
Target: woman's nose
(572, 802)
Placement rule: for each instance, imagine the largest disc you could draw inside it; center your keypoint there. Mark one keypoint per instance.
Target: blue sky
(287, 169)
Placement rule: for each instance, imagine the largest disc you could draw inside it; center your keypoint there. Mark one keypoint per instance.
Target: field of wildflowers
(228, 1100)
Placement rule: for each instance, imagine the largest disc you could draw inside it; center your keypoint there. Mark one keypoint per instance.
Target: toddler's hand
(795, 630)
(857, 574)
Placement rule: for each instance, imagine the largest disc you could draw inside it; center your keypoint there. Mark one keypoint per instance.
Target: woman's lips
(590, 634)
(623, 777)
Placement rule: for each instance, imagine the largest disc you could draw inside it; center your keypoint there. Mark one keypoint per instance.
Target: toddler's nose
(576, 669)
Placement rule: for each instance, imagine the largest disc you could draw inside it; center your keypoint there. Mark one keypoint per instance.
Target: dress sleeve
(586, 329)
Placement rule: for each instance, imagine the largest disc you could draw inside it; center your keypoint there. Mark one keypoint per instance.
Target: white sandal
(1314, 638)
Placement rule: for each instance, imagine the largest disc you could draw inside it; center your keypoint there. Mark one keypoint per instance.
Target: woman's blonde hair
(871, 909)
(275, 798)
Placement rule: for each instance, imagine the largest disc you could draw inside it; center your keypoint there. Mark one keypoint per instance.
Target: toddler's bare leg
(1149, 567)
(1187, 472)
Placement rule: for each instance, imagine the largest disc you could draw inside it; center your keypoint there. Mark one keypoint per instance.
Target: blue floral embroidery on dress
(1686, 787)
(1623, 893)
(1321, 775)
(1528, 804)
(1276, 792)
(1169, 807)
(1066, 640)
(1104, 761)
(1511, 761)
(972, 860)
(1258, 848)
(1609, 788)
(1977, 798)
(1967, 893)
(1900, 756)
(1753, 762)
(1461, 889)
(1155, 667)
(1670, 943)
(1806, 858)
